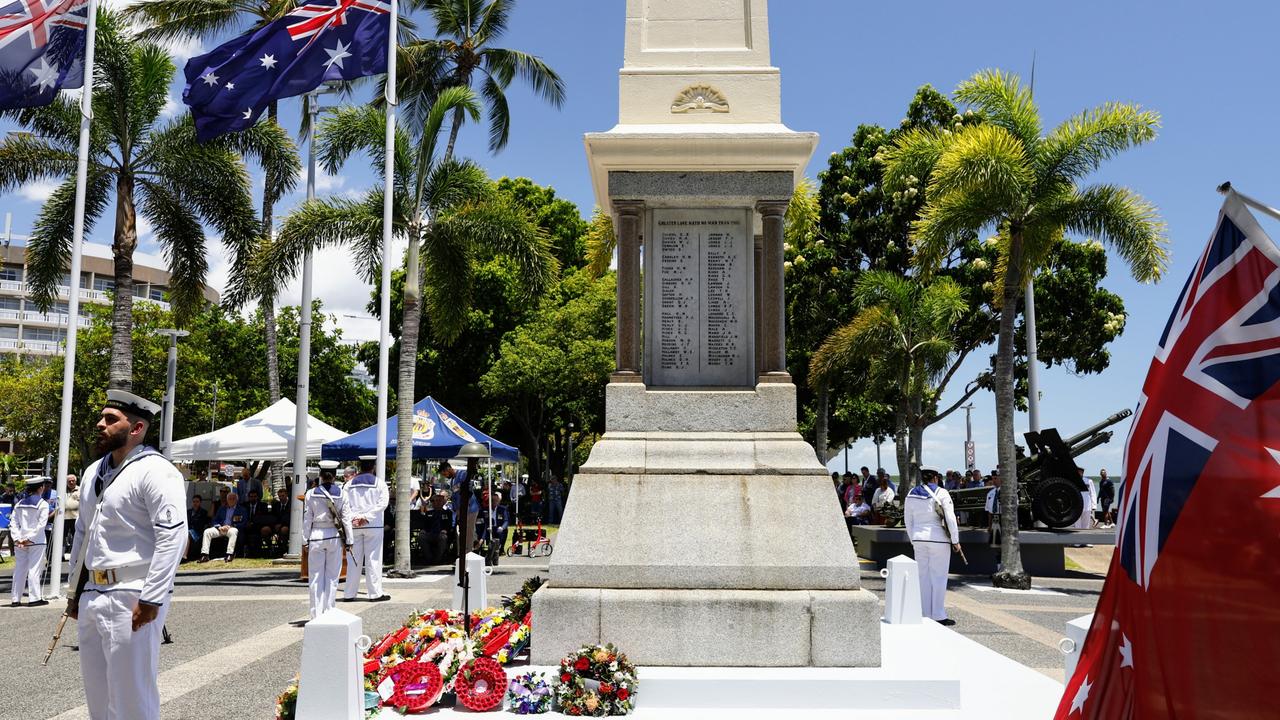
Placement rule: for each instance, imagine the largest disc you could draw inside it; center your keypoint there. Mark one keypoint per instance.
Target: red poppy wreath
(481, 685)
(417, 685)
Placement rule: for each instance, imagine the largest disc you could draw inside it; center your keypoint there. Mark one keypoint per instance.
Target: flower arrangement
(516, 644)
(596, 681)
(481, 684)
(287, 702)
(412, 686)
(529, 694)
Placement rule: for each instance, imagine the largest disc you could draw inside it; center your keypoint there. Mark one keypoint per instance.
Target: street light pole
(970, 459)
(171, 382)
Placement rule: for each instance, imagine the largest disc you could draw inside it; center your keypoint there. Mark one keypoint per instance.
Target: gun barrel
(1083, 434)
(1079, 449)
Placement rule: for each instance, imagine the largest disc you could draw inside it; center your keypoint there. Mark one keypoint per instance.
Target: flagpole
(388, 199)
(1226, 189)
(73, 303)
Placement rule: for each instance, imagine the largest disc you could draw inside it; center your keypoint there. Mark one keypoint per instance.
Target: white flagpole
(384, 329)
(73, 305)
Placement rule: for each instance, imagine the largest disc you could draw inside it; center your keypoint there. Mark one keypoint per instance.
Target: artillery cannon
(1049, 483)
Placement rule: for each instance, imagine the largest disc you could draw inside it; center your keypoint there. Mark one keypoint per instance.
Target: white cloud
(38, 191)
(325, 183)
(145, 229)
(171, 107)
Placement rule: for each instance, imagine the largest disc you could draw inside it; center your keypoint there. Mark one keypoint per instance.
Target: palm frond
(912, 156)
(601, 243)
(182, 237)
(944, 222)
(1004, 102)
(449, 102)
(453, 184)
(362, 129)
(506, 229)
(184, 19)
(504, 65)
(1081, 144)
(271, 148)
(58, 123)
(1120, 218)
(499, 114)
(986, 161)
(49, 249)
(25, 158)
(149, 87)
(842, 350)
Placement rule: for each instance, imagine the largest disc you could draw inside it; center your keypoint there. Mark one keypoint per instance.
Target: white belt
(115, 576)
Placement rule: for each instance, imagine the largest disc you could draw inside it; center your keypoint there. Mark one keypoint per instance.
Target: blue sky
(1207, 68)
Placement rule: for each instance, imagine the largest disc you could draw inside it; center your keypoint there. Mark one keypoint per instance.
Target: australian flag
(229, 88)
(1189, 617)
(41, 50)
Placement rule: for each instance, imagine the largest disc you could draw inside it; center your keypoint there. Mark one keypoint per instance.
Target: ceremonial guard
(326, 525)
(129, 541)
(930, 518)
(367, 497)
(26, 525)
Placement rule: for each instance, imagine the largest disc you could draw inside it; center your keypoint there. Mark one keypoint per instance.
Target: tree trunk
(404, 401)
(915, 441)
(126, 241)
(1012, 575)
(268, 304)
(820, 424)
(454, 127)
(900, 447)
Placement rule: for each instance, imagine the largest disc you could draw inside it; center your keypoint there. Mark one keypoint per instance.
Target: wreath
(597, 681)
(287, 702)
(481, 684)
(529, 694)
(413, 686)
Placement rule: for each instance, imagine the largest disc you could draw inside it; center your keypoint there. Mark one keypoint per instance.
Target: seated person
(282, 510)
(493, 506)
(858, 512)
(261, 519)
(229, 521)
(197, 523)
(439, 529)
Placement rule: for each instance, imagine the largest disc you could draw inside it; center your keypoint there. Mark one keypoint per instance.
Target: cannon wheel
(1057, 503)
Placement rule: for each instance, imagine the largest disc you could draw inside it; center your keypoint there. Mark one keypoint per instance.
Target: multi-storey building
(25, 329)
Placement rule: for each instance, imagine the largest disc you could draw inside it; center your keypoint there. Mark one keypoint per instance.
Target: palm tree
(154, 165)
(1002, 174)
(900, 343)
(181, 19)
(448, 213)
(459, 56)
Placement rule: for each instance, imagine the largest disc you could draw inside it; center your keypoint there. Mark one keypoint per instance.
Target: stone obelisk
(702, 530)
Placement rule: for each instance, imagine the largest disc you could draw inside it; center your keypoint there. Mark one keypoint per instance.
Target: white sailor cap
(38, 480)
(368, 457)
(329, 464)
(127, 402)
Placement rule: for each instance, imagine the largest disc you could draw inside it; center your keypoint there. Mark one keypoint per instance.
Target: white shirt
(882, 497)
(318, 522)
(921, 517)
(367, 497)
(140, 520)
(857, 510)
(992, 496)
(28, 519)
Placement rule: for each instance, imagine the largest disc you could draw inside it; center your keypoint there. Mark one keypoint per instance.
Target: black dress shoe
(380, 598)
(38, 603)
(203, 559)
(228, 558)
(346, 599)
(948, 622)
(14, 604)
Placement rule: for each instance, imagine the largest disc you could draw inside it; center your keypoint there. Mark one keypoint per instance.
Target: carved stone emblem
(700, 98)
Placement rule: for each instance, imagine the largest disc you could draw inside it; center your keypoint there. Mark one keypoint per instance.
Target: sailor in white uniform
(129, 541)
(366, 497)
(26, 525)
(931, 525)
(326, 527)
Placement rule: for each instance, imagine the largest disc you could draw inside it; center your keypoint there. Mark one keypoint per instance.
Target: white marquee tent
(267, 435)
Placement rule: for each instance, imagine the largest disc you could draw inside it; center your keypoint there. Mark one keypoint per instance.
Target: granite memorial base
(1042, 550)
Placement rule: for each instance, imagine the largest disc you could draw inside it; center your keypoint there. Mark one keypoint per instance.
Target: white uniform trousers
(366, 557)
(27, 570)
(934, 561)
(324, 565)
(120, 666)
(211, 534)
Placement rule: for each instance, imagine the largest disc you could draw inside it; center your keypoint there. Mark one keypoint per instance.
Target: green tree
(912, 326)
(552, 370)
(448, 213)
(1004, 174)
(153, 165)
(557, 217)
(461, 55)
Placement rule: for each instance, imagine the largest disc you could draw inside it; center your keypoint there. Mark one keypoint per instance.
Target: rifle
(337, 519)
(62, 621)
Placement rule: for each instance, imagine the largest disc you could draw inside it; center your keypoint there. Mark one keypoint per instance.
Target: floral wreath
(414, 686)
(529, 694)
(596, 681)
(481, 685)
(287, 702)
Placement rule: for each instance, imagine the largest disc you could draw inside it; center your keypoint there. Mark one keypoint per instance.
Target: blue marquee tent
(437, 434)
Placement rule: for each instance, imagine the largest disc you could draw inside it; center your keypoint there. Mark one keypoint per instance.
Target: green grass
(236, 564)
(1073, 565)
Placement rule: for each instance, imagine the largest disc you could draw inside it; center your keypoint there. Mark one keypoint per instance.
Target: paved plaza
(235, 648)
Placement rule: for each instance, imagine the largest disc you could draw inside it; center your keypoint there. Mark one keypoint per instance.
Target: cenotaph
(702, 531)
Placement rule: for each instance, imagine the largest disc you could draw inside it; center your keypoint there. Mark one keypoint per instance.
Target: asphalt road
(235, 648)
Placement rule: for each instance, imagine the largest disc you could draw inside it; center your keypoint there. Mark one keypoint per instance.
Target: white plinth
(478, 582)
(1071, 645)
(902, 591)
(929, 673)
(331, 687)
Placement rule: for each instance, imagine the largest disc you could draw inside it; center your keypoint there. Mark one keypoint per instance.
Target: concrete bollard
(901, 591)
(1071, 645)
(331, 686)
(478, 580)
